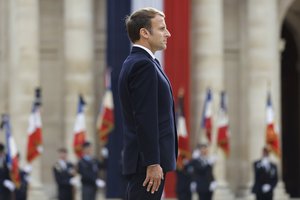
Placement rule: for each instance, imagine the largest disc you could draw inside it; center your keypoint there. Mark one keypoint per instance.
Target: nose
(168, 33)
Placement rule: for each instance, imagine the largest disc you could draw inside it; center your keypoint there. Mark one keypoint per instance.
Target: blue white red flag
(207, 115)
(12, 158)
(34, 145)
(223, 125)
(183, 137)
(272, 138)
(79, 128)
(105, 122)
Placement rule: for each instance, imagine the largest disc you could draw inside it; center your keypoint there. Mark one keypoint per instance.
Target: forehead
(158, 21)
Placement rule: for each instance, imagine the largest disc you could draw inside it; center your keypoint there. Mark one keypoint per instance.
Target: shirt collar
(146, 49)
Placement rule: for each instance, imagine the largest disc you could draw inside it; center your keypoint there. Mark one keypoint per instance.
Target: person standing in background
(88, 168)
(21, 191)
(183, 182)
(265, 177)
(6, 185)
(64, 172)
(200, 169)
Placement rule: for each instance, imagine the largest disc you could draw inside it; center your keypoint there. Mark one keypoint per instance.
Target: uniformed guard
(6, 185)
(201, 170)
(88, 168)
(64, 172)
(265, 177)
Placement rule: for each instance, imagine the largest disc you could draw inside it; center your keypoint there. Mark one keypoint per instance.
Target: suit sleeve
(143, 86)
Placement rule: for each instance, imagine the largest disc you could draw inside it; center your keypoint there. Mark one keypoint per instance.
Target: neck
(145, 44)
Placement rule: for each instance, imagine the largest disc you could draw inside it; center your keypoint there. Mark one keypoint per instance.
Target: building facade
(246, 47)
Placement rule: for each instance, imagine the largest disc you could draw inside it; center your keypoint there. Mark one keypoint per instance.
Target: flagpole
(279, 192)
(222, 191)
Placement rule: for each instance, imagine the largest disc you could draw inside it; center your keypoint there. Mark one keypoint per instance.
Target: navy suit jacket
(147, 104)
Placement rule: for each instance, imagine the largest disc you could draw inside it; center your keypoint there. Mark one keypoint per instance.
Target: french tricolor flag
(12, 159)
(223, 125)
(79, 128)
(207, 115)
(106, 115)
(272, 138)
(34, 145)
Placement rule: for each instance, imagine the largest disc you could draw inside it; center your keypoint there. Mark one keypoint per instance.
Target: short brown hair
(140, 19)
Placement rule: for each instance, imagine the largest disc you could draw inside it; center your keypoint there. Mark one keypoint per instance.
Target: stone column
(79, 65)
(262, 73)
(24, 77)
(52, 80)
(4, 5)
(207, 71)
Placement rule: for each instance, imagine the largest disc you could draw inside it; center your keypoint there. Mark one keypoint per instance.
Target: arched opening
(290, 93)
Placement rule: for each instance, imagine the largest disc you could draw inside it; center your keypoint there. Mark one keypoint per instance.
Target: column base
(36, 193)
(280, 193)
(223, 193)
(244, 193)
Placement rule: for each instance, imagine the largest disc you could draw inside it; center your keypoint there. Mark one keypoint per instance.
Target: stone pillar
(4, 5)
(24, 77)
(79, 65)
(262, 73)
(207, 71)
(52, 80)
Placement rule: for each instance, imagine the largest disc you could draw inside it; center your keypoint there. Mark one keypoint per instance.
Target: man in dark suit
(265, 178)
(201, 170)
(6, 185)
(88, 168)
(64, 172)
(150, 138)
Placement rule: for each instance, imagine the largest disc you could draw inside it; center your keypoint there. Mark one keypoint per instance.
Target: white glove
(213, 185)
(75, 181)
(193, 186)
(100, 183)
(196, 154)
(104, 152)
(27, 169)
(9, 184)
(212, 159)
(266, 188)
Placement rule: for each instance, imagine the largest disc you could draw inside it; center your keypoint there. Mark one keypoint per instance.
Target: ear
(144, 33)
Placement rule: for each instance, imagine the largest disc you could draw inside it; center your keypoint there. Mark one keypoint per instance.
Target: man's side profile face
(158, 35)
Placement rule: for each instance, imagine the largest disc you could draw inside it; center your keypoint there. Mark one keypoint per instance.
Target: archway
(290, 93)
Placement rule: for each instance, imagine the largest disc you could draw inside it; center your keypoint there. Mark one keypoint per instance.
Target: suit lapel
(163, 73)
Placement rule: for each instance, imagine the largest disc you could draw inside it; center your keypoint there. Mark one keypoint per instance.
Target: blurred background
(247, 49)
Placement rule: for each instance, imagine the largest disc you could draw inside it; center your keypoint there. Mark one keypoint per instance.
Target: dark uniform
(88, 168)
(201, 172)
(264, 175)
(63, 174)
(21, 192)
(5, 194)
(183, 190)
